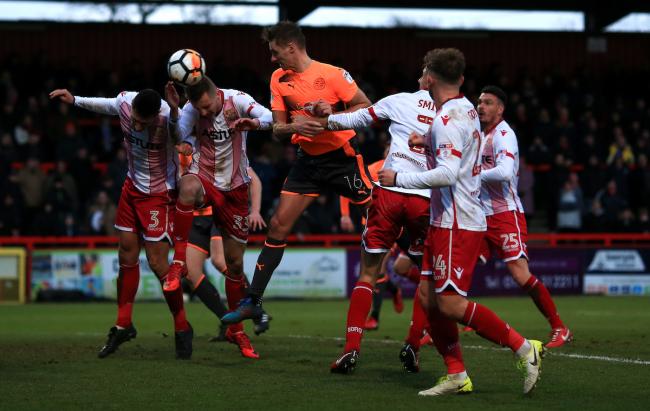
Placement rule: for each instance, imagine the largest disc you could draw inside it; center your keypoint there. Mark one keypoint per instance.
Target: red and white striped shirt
(219, 150)
(500, 174)
(151, 155)
(454, 179)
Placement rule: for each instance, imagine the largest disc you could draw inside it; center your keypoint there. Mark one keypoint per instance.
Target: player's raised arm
(181, 122)
(99, 105)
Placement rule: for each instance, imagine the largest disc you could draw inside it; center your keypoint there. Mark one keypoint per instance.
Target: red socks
(182, 224)
(418, 323)
(235, 291)
(444, 332)
(413, 274)
(489, 326)
(542, 298)
(175, 303)
(360, 303)
(127, 287)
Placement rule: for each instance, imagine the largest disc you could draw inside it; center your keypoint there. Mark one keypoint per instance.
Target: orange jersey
(291, 91)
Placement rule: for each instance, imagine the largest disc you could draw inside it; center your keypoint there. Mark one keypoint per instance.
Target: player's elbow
(449, 176)
(507, 177)
(451, 179)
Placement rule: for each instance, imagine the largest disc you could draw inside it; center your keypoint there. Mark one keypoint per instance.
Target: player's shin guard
(542, 298)
(267, 262)
(360, 302)
(182, 225)
(444, 332)
(174, 301)
(418, 323)
(127, 287)
(489, 326)
(209, 296)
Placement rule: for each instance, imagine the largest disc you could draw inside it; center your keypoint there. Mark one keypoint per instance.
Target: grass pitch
(48, 361)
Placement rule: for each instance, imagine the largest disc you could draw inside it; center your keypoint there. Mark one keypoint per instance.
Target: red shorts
(506, 234)
(450, 257)
(147, 214)
(388, 213)
(229, 209)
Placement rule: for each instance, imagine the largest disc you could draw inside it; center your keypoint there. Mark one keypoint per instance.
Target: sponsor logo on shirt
(216, 135)
(428, 104)
(138, 142)
(411, 160)
(319, 83)
(445, 119)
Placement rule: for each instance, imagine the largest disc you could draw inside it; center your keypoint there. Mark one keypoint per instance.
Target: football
(186, 67)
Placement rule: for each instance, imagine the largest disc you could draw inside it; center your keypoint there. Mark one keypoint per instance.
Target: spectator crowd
(584, 153)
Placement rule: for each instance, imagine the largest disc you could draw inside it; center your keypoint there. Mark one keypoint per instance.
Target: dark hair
(147, 103)
(496, 91)
(283, 33)
(196, 91)
(446, 64)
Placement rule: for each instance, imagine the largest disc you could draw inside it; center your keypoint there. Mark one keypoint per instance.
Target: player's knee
(190, 187)
(450, 307)
(235, 266)
(128, 253)
(446, 308)
(158, 265)
(519, 271)
(401, 266)
(278, 229)
(219, 264)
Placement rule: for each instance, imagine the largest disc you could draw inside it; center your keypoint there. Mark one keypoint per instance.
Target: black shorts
(203, 230)
(342, 171)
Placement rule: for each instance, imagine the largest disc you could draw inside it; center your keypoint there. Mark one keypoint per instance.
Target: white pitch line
(481, 347)
(602, 358)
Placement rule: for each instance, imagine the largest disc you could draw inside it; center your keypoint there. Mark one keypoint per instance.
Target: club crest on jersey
(504, 132)
(445, 119)
(319, 83)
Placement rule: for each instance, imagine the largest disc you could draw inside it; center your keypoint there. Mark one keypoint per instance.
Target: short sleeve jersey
(292, 91)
